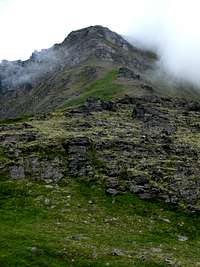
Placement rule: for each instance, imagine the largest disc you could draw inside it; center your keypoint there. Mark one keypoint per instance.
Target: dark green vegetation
(78, 225)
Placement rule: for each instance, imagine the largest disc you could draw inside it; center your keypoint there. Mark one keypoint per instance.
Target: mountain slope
(51, 77)
(105, 172)
(110, 99)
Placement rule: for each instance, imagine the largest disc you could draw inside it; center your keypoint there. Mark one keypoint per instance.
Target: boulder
(124, 72)
(93, 104)
(17, 172)
(79, 160)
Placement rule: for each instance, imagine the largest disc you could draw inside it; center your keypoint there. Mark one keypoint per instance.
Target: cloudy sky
(26, 25)
(170, 26)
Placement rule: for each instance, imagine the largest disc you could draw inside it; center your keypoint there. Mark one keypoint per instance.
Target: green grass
(104, 88)
(15, 120)
(78, 225)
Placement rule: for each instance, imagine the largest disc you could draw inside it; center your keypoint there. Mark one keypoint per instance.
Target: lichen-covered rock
(112, 182)
(15, 127)
(153, 152)
(17, 172)
(112, 192)
(48, 170)
(79, 160)
(22, 137)
(149, 115)
(36, 168)
(94, 105)
(127, 73)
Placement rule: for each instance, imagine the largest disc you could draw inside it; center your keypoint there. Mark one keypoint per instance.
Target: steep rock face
(101, 43)
(79, 161)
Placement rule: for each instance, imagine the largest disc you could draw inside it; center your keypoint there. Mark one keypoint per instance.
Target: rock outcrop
(149, 147)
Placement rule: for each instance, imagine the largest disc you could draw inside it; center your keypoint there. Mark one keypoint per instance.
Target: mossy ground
(14, 120)
(78, 225)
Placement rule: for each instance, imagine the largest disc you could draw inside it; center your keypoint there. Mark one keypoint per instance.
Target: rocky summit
(51, 77)
(99, 161)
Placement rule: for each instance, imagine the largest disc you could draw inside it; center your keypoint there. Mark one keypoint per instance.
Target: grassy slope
(104, 88)
(109, 87)
(78, 225)
(72, 88)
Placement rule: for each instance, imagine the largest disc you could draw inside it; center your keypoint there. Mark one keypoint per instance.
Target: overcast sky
(170, 26)
(26, 25)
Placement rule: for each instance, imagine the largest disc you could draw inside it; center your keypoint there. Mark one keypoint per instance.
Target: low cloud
(19, 73)
(171, 28)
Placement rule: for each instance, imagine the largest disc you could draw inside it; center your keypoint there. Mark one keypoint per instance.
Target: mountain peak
(97, 29)
(93, 33)
(96, 46)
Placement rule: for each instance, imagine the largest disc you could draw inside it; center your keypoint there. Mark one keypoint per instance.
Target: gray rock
(117, 252)
(48, 170)
(93, 104)
(77, 237)
(22, 137)
(138, 184)
(94, 254)
(146, 195)
(140, 180)
(79, 161)
(128, 73)
(182, 238)
(34, 250)
(17, 172)
(46, 201)
(112, 183)
(112, 191)
(166, 220)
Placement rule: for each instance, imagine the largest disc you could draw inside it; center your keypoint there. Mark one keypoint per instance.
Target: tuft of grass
(15, 120)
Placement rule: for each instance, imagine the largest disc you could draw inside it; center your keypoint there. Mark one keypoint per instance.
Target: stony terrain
(146, 145)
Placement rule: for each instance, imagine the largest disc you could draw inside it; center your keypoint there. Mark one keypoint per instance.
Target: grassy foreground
(78, 225)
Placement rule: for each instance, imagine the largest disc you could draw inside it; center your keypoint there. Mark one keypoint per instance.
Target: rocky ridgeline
(148, 146)
(90, 43)
(49, 77)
